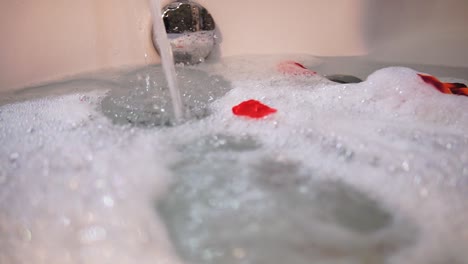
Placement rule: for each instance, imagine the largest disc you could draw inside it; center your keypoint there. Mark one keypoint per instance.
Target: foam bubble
(77, 188)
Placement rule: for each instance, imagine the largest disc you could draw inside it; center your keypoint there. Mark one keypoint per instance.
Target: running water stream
(167, 59)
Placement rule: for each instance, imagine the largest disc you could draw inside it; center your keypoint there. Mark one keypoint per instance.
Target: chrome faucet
(190, 29)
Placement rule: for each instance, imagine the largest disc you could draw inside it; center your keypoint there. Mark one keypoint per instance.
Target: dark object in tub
(293, 68)
(342, 78)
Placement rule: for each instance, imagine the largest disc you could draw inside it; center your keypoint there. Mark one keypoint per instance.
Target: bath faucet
(190, 29)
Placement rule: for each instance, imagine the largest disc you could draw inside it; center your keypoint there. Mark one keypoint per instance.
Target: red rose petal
(253, 109)
(446, 88)
(458, 88)
(294, 68)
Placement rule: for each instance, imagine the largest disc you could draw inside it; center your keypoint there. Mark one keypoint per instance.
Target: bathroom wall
(418, 31)
(48, 39)
(329, 28)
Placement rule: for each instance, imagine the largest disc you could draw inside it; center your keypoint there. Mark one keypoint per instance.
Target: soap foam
(76, 188)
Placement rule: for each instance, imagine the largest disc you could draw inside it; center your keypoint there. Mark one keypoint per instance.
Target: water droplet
(65, 221)
(207, 254)
(424, 192)
(375, 161)
(92, 234)
(89, 157)
(14, 156)
(26, 234)
(99, 184)
(417, 179)
(452, 182)
(405, 166)
(3, 177)
(348, 155)
(73, 184)
(84, 98)
(303, 189)
(239, 253)
(108, 201)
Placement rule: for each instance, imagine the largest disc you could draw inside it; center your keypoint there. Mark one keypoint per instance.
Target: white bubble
(14, 156)
(108, 201)
(70, 177)
(405, 165)
(92, 234)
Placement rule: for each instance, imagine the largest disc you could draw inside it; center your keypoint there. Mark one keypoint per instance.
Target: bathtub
(92, 168)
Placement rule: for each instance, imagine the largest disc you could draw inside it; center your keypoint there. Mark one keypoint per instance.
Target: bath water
(373, 172)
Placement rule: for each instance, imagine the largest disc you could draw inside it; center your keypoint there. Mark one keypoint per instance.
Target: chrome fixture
(190, 29)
